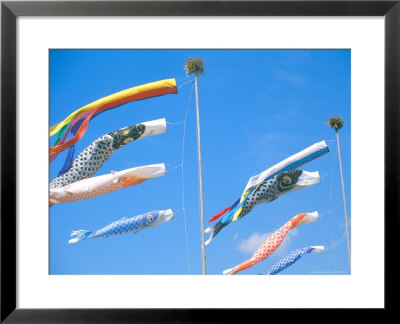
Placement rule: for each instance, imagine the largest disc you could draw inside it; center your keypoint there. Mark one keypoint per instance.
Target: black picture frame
(10, 10)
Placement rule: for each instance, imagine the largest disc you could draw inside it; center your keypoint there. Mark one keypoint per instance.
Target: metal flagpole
(203, 251)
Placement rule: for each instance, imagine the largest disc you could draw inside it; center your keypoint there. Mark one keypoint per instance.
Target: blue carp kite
(125, 226)
(291, 258)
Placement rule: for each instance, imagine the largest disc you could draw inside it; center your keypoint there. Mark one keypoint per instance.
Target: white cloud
(284, 247)
(251, 244)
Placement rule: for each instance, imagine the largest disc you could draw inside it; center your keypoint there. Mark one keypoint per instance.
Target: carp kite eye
(126, 132)
(287, 180)
(150, 218)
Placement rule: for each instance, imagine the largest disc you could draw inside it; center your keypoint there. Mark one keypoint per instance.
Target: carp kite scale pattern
(100, 185)
(125, 226)
(291, 258)
(91, 159)
(273, 242)
(268, 191)
(292, 162)
(78, 121)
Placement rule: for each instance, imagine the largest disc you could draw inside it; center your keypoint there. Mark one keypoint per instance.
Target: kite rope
(183, 174)
(173, 168)
(324, 213)
(324, 176)
(330, 140)
(180, 211)
(186, 83)
(181, 122)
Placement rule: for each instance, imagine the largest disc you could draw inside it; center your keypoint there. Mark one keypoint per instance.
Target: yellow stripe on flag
(244, 196)
(236, 215)
(169, 85)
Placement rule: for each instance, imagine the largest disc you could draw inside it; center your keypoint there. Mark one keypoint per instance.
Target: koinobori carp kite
(125, 226)
(291, 258)
(268, 191)
(100, 185)
(273, 242)
(292, 162)
(91, 159)
(81, 117)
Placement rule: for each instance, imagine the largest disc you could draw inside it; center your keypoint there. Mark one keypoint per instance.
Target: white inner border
(364, 288)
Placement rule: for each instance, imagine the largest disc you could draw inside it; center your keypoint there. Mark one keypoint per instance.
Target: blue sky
(257, 107)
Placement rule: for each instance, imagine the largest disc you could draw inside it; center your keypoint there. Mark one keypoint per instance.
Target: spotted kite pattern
(270, 245)
(91, 159)
(267, 191)
(97, 192)
(287, 261)
(126, 135)
(270, 190)
(124, 226)
(127, 225)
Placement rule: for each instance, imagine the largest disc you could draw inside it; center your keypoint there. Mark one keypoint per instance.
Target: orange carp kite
(273, 242)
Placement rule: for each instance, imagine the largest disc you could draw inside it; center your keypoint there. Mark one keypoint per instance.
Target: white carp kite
(96, 186)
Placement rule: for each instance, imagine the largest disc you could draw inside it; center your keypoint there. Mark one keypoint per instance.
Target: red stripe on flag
(216, 216)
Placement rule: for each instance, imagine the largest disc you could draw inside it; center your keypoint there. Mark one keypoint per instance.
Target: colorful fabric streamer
(125, 226)
(96, 186)
(144, 91)
(91, 159)
(268, 191)
(273, 242)
(291, 258)
(91, 110)
(293, 162)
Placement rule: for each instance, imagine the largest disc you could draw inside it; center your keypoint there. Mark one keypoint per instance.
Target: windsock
(125, 226)
(91, 159)
(291, 258)
(273, 242)
(96, 186)
(268, 191)
(291, 163)
(78, 121)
